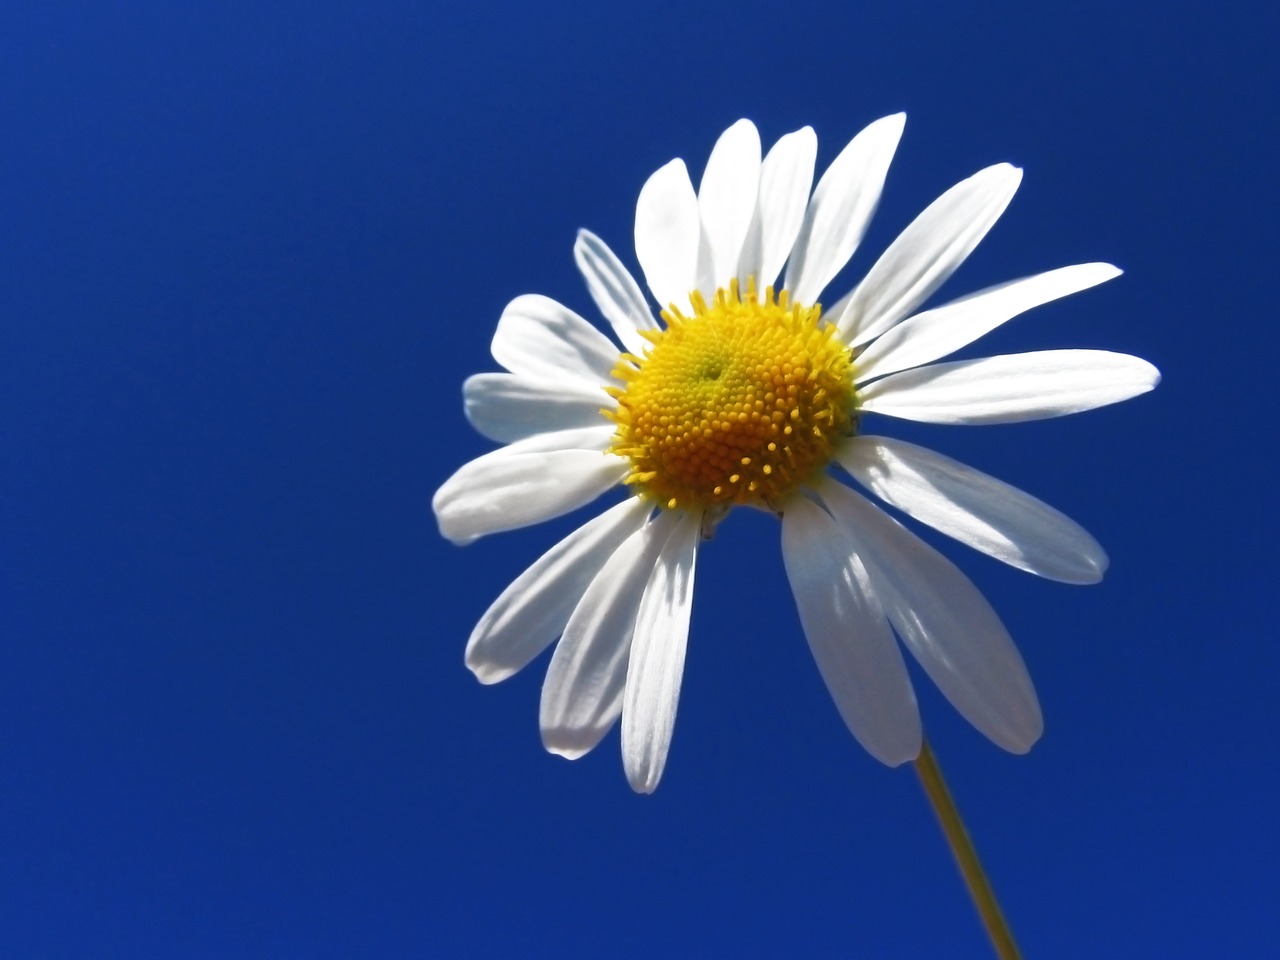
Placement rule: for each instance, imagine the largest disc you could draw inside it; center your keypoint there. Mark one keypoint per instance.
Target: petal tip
(488, 673)
(567, 750)
(906, 753)
(808, 136)
(1003, 171)
(447, 524)
(641, 784)
(1021, 738)
(1022, 747)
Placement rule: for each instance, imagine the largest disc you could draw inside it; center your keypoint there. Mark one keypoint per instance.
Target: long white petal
(832, 312)
(507, 407)
(582, 693)
(1010, 388)
(936, 333)
(727, 197)
(944, 621)
(534, 609)
(785, 178)
(614, 290)
(668, 234)
(926, 253)
(849, 635)
(841, 208)
(545, 340)
(977, 509)
(656, 665)
(526, 482)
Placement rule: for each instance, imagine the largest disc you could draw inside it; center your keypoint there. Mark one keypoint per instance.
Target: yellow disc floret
(738, 404)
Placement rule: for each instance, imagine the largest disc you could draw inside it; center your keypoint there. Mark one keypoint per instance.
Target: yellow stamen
(739, 403)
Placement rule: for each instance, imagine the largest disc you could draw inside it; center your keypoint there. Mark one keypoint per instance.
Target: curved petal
(936, 333)
(525, 483)
(614, 290)
(785, 178)
(534, 609)
(507, 407)
(928, 252)
(582, 693)
(727, 197)
(830, 314)
(656, 664)
(977, 509)
(841, 208)
(542, 339)
(1010, 388)
(849, 635)
(668, 234)
(945, 622)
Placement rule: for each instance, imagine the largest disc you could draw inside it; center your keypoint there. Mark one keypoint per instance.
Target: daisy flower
(744, 393)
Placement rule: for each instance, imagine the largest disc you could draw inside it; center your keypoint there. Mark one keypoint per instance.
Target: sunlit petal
(927, 252)
(534, 609)
(544, 340)
(668, 234)
(1010, 388)
(507, 407)
(936, 333)
(849, 635)
(945, 622)
(785, 178)
(986, 513)
(656, 665)
(614, 290)
(841, 208)
(727, 197)
(582, 693)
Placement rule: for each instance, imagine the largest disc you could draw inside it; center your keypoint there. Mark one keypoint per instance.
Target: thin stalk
(962, 849)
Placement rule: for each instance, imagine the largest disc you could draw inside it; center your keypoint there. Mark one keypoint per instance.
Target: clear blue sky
(249, 252)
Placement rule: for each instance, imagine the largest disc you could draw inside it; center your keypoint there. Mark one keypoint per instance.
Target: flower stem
(962, 849)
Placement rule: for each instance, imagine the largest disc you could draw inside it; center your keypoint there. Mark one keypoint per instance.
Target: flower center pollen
(740, 403)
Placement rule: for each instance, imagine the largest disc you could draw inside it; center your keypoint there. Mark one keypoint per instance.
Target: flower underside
(739, 403)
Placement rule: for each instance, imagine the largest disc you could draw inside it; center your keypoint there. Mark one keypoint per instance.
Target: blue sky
(249, 252)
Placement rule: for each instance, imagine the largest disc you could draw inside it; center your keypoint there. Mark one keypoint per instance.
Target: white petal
(944, 330)
(614, 290)
(545, 340)
(841, 208)
(527, 482)
(1010, 388)
(582, 694)
(849, 635)
(534, 609)
(668, 234)
(945, 622)
(785, 178)
(831, 314)
(977, 509)
(727, 197)
(928, 252)
(578, 438)
(656, 665)
(507, 407)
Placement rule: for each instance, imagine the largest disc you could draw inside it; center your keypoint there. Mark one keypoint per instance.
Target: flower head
(752, 394)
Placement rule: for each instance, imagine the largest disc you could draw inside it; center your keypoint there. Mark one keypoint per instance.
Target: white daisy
(747, 396)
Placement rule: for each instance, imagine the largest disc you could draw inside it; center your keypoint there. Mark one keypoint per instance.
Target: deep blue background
(249, 251)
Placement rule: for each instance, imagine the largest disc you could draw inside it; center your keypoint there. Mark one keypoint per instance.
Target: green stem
(962, 849)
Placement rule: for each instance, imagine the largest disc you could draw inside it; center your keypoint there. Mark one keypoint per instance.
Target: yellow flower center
(738, 404)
